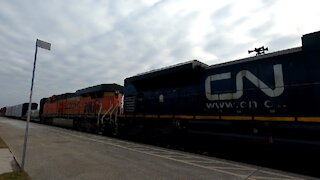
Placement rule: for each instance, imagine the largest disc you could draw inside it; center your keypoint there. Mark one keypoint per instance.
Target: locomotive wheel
(115, 129)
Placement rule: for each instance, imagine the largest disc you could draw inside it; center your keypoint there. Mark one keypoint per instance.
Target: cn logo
(277, 91)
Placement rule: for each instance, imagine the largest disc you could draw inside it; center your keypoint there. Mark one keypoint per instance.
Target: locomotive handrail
(98, 120)
(114, 121)
(113, 110)
(115, 107)
(107, 112)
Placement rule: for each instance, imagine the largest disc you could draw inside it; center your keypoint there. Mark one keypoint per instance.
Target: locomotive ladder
(114, 121)
(111, 120)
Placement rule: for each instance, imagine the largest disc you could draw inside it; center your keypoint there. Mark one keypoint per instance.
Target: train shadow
(299, 159)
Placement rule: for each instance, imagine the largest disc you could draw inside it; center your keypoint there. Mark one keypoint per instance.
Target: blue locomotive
(271, 97)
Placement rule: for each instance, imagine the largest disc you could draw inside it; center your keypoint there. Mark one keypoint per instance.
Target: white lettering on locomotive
(277, 91)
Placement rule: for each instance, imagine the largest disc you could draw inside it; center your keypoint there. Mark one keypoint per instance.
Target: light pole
(44, 45)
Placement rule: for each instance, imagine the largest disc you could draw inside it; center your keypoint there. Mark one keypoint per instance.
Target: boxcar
(34, 115)
(3, 111)
(18, 111)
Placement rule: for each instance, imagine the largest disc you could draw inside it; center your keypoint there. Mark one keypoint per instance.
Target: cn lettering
(277, 91)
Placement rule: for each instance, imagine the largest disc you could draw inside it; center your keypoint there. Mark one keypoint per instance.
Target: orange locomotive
(92, 109)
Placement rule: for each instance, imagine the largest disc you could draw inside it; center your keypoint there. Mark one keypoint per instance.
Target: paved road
(56, 153)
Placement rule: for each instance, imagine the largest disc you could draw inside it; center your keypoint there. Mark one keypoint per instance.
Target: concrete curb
(8, 162)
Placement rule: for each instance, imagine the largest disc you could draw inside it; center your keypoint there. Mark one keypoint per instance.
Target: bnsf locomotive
(94, 108)
(269, 98)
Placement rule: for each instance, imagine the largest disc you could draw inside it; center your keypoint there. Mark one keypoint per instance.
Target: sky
(104, 41)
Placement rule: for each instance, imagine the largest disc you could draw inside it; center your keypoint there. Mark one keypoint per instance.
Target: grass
(2, 144)
(12, 175)
(15, 176)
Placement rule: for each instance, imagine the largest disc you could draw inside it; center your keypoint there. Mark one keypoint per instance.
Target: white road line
(270, 178)
(184, 162)
(115, 142)
(217, 169)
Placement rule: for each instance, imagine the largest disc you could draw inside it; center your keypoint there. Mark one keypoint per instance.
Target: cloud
(105, 41)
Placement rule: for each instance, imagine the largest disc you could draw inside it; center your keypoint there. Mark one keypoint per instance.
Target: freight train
(271, 98)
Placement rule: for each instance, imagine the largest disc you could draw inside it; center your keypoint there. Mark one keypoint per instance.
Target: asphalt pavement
(57, 153)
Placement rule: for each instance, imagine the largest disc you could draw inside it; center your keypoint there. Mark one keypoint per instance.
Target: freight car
(34, 115)
(91, 109)
(268, 98)
(18, 111)
(3, 111)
